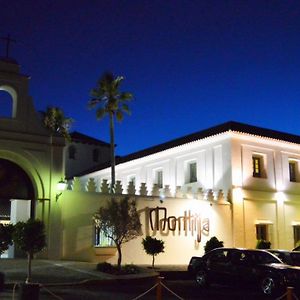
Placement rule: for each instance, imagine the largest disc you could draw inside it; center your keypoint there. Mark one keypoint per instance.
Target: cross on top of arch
(8, 40)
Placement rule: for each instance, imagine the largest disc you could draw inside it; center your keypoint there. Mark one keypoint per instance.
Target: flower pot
(2, 280)
(29, 291)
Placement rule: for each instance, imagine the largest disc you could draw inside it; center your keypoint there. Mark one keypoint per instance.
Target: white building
(234, 181)
(244, 179)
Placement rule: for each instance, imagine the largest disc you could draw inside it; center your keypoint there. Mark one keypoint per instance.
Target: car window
(295, 258)
(219, 256)
(241, 257)
(266, 258)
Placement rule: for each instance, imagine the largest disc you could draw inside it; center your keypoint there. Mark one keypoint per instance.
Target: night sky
(190, 64)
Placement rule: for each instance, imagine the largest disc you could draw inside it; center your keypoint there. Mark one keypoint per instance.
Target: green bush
(213, 243)
(262, 244)
(105, 267)
(130, 269)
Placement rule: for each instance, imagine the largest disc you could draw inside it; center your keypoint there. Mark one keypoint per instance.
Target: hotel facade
(234, 181)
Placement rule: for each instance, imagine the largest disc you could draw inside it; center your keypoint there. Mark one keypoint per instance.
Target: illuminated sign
(188, 222)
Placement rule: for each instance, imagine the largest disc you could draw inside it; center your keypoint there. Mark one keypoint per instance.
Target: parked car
(255, 267)
(296, 248)
(288, 257)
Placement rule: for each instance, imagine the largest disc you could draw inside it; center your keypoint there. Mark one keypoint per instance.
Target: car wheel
(201, 278)
(268, 285)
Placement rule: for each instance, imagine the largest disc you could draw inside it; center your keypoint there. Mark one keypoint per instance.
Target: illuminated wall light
(280, 197)
(237, 194)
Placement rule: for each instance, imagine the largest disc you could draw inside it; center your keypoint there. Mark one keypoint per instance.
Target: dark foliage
(213, 243)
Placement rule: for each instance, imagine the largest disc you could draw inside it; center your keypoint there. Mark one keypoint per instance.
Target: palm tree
(109, 100)
(56, 122)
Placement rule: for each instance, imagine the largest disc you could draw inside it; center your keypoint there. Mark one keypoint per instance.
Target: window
(6, 104)
(96, 155)
(101, 240)
(262, 232)
(72, 152)
(192, 172)
(159, 178)
(257, 162)
(293, 166)
(296, 234)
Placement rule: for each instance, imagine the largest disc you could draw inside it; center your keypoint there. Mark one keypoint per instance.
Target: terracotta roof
(228, 126)
(78, 137)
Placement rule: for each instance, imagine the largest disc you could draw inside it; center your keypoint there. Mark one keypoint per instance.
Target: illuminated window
(192, 169)
(293, 166)
(96, 155)
(101, 240)
(296, 234)
(72, 152)
(159, 178)
(257, 162)
(261, 232)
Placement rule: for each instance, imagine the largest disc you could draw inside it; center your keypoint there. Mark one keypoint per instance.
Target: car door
(243, 267)
(219, 267)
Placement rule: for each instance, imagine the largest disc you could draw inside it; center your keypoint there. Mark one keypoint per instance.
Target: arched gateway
(31, 162)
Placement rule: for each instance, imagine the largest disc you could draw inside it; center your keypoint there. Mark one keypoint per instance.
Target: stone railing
(185, 192)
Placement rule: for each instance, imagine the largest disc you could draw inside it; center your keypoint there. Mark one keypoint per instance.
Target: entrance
(14, 184)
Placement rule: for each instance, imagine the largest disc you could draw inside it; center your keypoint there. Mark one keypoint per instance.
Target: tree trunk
(152, 261)
(119, 256)
(112, 152)
(28, 279)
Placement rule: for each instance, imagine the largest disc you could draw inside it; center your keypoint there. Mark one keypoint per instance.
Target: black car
(233, 266)
(288, 257)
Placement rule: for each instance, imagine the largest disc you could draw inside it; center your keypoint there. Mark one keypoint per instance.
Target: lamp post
(61, 186)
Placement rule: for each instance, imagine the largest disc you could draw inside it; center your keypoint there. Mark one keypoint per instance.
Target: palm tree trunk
(152, 261)
(112, 152)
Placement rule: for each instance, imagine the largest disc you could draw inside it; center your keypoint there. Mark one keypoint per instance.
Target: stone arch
(31, 170)
(14, 184)
(13, 94)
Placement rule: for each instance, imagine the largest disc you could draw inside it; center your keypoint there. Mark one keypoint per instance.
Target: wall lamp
(61, 186)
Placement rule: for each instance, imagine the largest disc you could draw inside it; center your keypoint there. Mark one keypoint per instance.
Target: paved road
(56, 276)
(186, 289)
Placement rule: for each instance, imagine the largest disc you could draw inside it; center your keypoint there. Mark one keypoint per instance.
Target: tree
(119, 221)
(30, 237)
(109, 100)
(153, 247)
(213, 243)
(263, 244)
(56, 122)
(6, 231)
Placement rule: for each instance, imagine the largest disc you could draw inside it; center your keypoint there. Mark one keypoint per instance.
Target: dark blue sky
(190, 64)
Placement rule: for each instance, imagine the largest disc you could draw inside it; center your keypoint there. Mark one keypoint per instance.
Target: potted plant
(153, 247)
(6, 231)
(29, 237)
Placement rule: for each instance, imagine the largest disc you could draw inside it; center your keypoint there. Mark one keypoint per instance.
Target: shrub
(105, 267)
(153, 247)
(130, 269)
(213, 243)
(262, 244)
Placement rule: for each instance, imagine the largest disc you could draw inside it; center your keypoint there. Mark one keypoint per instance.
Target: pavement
(50, 273)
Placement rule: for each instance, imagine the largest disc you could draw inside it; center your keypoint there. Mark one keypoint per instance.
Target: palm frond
(126, 109)
(119, 115)
(100, 113)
